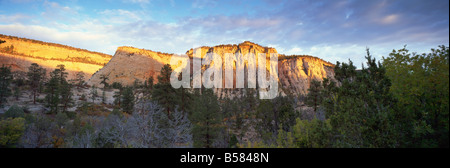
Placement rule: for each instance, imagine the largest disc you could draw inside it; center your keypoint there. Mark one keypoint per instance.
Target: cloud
(200, 4)
(86, 40)
(14, 18)
(333, 30)
(119, 16)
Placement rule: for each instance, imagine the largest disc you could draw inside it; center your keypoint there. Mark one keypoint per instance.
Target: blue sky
(335, 30)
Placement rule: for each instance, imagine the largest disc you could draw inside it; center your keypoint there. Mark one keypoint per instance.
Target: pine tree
(52, 90)
(65, 88)
(5, 80)
(314, 97)
(118, 94)
(206, 119)
(163, 92)
(104, 78)
(127, 100)
(361, 114)
(79, 79)
(93, 93)
(35, 77)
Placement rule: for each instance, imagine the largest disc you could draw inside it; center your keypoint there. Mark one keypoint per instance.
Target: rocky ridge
(294, 72)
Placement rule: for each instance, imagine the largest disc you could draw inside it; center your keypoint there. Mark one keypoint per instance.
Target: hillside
(20, 53)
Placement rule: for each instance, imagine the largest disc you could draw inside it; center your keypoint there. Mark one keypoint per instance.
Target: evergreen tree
(163, 92)
(64, 87)
(103, 96)
(79, 79)
(127, 100)
(206, 119)
(93, 93)
(104, 78)
(362, 112)
(266, 116)
(314, 97)
(150, 83)
(35, 77)
(118, 94)
(5, 80)
(52, 90)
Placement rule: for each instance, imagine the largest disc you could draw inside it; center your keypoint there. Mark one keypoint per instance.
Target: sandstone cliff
(294, 72)
(49, 55)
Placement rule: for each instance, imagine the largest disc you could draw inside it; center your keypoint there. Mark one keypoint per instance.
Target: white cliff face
(294, 72)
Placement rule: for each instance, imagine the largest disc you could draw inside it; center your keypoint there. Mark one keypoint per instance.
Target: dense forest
(400, 101)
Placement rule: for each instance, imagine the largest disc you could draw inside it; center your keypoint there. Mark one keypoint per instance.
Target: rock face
(129, 64)
(294, 72)
(49, 55)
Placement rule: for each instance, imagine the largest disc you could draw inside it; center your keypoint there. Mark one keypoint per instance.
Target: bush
(14, 112)
(11, 129)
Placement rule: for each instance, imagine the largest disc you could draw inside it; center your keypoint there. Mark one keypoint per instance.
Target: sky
(334, 30)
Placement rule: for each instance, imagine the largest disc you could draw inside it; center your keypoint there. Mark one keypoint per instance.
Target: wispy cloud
(333, 30)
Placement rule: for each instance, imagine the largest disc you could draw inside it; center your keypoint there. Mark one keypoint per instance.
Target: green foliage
(35, 78)
(312, 134)
(11, 129)
(5, 80)
(58, 90)
(79, 79)
(93, 93)
(265, 113)
(285, 139)
(163, 92)
(14, 112)
(104, 79)
(61, 119)
(52, 90)
(421, 86)
(361, 109)
(314, 97)
(128, 100)
(117, 112)
(206, 119)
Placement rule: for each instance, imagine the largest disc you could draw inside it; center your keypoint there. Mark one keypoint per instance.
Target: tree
(150, 82)
(5, 80)
(118, 94)
(53, 91)
(421, 86)
(361, 113)
(66, 95)
(127, 100)
(314, 97)
(79, 79)
(163, 92)
(14, 112)
(35, 77)
(58, 90)
(266, 125)
(206, 119)
(104, 78)
(103, 96)
(11, 129)
(93, 93)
